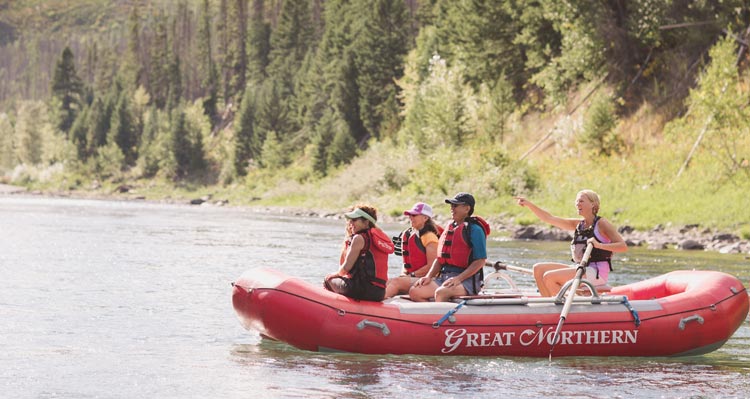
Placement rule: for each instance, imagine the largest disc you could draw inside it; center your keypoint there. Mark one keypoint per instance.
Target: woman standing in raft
(418, 247)
(550, 277)
(364, 265)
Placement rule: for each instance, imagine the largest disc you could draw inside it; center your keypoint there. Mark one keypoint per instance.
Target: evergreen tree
(274, 154)
(68, 89)
(234, 64)
(159, 74)
(99, 121)
(78, 134)
(131, 65)
(382, 43)
(208, 74)
(28, 132)
(7, 160)
(258, 46)
(290, 41)
(480, 36)
(179, 144)
(247, 145)
(123, 131)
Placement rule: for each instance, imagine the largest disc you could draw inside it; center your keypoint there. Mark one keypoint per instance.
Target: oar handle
(571, 294)
(586, 255)
(499, 265)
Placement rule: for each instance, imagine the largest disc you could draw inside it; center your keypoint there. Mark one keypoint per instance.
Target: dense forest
(250, 94)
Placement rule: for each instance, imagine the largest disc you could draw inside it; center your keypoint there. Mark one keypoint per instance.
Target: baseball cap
(420, 208)
(461, 199)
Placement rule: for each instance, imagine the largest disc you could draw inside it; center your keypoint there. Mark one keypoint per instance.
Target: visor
(359, 213)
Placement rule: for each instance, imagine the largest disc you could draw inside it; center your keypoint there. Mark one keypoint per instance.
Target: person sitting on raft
(363, 272)
(418, 248)
(551, 276)
(462, 252)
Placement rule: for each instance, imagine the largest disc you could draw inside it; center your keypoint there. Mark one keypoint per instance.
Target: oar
(571, 293)
(502, 266)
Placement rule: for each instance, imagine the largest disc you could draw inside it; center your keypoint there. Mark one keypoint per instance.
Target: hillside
(321, 104)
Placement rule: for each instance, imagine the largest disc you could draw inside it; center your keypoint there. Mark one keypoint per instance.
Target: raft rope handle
(367, 323)
(632, 310)
(694, 317)
(449, 314)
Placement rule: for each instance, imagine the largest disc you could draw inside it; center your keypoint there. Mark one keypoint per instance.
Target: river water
(104, 299)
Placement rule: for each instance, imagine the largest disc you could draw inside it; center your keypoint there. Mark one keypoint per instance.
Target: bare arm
(617, 243)
(351, 256)
(434, 270)
(543, 215)
(431, 252)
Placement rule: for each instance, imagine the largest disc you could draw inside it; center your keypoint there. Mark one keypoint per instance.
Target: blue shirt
(478, 242)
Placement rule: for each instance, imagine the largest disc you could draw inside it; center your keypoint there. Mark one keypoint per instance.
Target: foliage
(366, 101)
(599, 134)
(718, 108)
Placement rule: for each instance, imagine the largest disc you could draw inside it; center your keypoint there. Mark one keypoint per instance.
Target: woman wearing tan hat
(418, 247)
(364, 268)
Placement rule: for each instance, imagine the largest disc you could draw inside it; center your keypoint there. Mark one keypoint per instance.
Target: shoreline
(690, 238)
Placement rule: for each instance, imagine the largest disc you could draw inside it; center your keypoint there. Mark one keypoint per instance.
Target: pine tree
(258, 46)
(67, 88)
(7, 160)
(123, 130)
(247, 143)
(159, 64)
(290, 41)
(208, 74)
(382, 43)
(179, 144)
(234, 61)
(131, 66)
(27, 139)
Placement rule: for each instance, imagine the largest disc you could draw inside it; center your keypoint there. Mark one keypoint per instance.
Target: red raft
(681, 313)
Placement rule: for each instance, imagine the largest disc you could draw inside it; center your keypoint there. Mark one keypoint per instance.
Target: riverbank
(689, 237)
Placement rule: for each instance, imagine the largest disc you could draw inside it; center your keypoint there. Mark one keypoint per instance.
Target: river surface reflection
(124, 299)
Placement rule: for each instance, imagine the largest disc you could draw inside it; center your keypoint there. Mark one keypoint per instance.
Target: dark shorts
(472, 285)
(355, 289)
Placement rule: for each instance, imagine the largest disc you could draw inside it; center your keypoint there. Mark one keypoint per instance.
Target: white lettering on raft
(454, 338)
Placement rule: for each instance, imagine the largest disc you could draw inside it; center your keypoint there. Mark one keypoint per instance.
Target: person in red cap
(462, 252)
(418, 248)
(363, 272)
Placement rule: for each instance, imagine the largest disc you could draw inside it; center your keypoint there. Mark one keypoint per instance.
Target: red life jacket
(413, 250)
(373, 259)
(454, 247)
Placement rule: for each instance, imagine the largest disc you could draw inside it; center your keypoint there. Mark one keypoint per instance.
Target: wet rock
(691, 244)
(525, 233)
(123, 188)
(657, 245)
(725, 237)
(197, 201)
(735, 248)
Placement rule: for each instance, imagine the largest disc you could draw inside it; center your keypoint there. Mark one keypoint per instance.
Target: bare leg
(423, 293)
(540, 270)
(555, 279)
(398, 285)
(444, 294)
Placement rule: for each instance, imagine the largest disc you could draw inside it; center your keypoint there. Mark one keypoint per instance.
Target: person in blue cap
(462, 252)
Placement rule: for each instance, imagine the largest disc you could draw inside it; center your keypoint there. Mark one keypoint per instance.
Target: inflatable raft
(681, 313)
